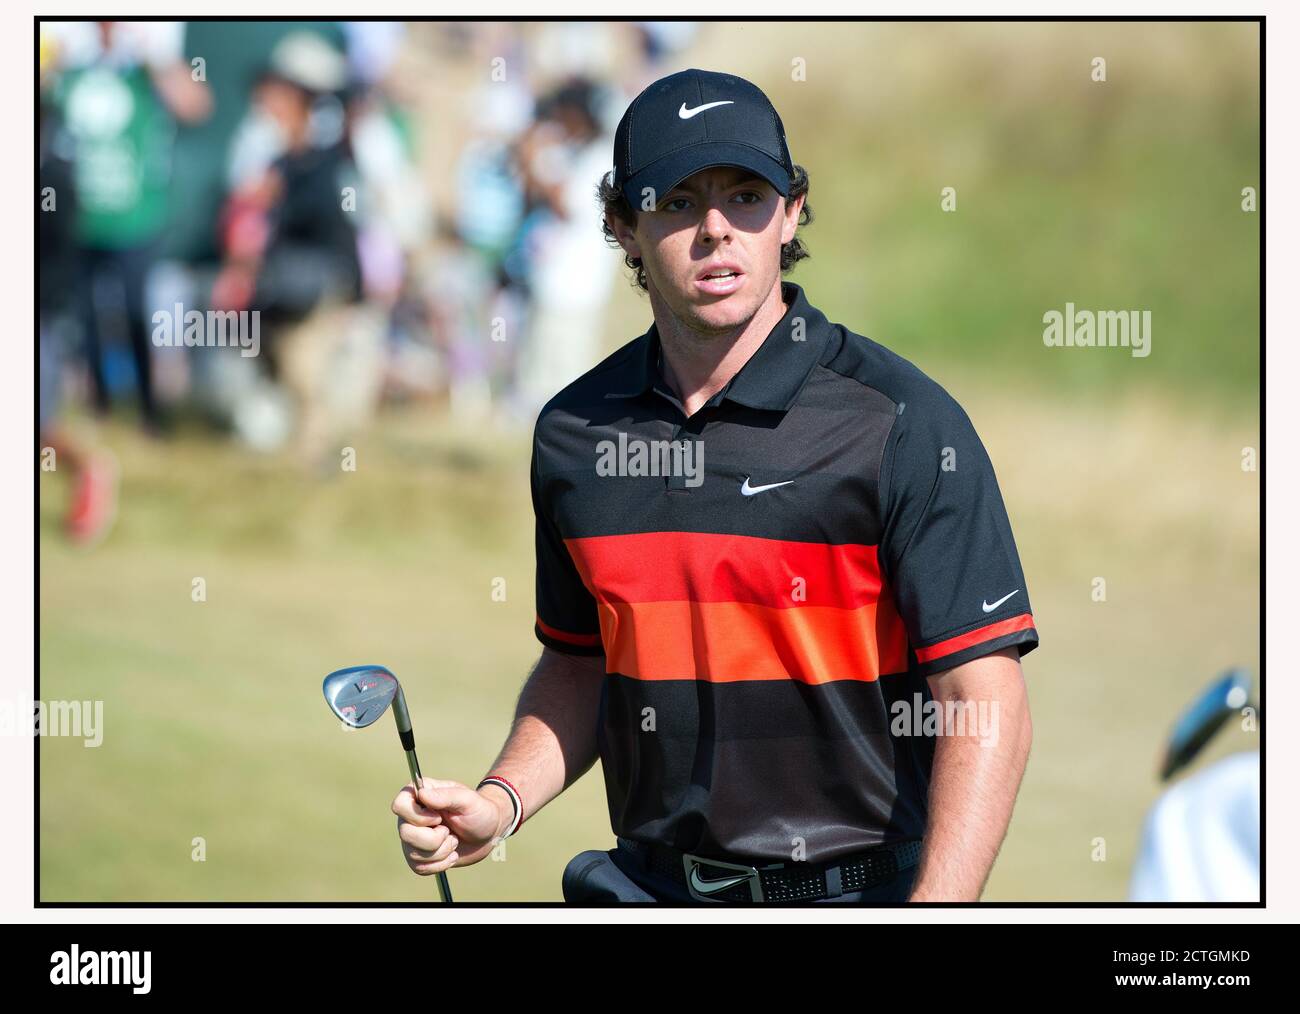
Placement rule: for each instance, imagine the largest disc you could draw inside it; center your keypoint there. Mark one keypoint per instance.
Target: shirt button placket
(690, 429)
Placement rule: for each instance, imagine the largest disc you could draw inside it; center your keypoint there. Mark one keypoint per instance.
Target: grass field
(1116, 195)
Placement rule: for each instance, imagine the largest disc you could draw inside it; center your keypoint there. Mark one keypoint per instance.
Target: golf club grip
(413, 762)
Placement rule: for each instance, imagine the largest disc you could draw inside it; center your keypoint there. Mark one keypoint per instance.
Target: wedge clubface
(1222, 699)
(359, 696)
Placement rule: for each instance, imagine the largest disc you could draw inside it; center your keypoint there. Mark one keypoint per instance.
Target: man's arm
(552, 742)
(975, 777)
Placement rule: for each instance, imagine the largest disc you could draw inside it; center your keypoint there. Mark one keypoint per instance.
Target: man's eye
(749, 197)
(675, 204)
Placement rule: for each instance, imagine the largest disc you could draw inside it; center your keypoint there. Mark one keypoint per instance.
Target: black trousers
(600, 877)
(112, 303)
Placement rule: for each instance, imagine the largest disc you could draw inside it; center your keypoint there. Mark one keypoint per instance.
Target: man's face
(287, 104)
(712, 246)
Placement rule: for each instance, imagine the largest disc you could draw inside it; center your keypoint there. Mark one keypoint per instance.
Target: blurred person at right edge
(290, 241)
(1200, 840)
(121, 88)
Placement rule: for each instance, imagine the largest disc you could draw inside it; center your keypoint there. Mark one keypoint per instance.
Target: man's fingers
(426, 839)
(447, 797)
(440, 783)
(429, 869)
(427, 843)
(411, 810)
(448, 846)
(425, 856)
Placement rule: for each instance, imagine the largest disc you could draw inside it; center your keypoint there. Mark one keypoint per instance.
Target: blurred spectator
(372, 48)
(290, 239)
(93, 475)
(659, 42)
(561, 158)
(394, 222)
(298, 194)
(233, 55)
(121, 87)
(392, 207)
(562, 50)
(289, 242)
(473, 298)
(1200, 840)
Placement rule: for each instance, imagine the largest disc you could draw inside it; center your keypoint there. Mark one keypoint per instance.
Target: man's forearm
(973, 785)
(552, 740)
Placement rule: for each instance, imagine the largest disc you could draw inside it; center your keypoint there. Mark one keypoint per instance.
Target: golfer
(777, 591)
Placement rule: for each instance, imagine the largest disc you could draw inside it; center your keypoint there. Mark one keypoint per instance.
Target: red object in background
(94, 501)
(244, 230)
(243, 233)
(233, 288)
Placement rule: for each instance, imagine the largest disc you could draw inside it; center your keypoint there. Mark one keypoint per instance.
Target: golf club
(359, 696)
(1225, 697)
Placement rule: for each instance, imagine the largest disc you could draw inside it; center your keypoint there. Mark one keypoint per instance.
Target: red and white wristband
(517, 822)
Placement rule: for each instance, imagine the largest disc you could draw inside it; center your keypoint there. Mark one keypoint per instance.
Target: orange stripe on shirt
(723, 642)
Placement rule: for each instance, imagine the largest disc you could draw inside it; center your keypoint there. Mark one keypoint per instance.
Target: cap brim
(663, 175)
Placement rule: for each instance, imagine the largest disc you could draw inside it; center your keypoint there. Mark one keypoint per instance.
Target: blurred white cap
(308, 61)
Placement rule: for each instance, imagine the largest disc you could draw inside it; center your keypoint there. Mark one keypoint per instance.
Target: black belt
(725, 881)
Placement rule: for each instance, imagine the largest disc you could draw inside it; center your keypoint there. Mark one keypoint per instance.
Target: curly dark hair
(614, 203)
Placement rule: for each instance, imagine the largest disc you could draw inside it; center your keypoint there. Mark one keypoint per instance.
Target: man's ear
(624, 234)
(791, 222)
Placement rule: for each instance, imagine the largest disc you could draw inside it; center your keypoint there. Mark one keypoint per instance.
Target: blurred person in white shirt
(1200, 842)
(571, 270)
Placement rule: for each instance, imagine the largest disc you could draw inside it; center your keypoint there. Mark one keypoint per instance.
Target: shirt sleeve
(566, 610)
(947, 548)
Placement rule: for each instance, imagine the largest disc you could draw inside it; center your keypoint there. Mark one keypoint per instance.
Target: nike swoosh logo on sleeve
(989, 608)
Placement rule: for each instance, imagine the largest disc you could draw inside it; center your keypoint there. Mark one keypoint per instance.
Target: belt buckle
(703, 890)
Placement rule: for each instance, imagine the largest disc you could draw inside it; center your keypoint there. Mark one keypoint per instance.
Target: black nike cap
(694, 120)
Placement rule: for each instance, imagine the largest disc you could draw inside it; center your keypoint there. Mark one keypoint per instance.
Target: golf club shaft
(444, 888)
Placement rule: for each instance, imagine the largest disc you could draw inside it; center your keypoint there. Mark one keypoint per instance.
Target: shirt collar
(774, 374)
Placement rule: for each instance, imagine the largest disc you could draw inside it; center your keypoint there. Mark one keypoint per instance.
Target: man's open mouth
(720, 279)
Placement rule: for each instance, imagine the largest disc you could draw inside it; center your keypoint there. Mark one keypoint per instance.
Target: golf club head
(360, 694)
(1223, 698)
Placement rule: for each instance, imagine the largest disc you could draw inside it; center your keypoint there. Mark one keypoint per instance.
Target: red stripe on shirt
(706, 567)
(1025, 621)
(586, 640)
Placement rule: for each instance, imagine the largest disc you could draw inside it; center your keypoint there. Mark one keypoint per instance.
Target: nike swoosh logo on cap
(989, 608)
(686, 114)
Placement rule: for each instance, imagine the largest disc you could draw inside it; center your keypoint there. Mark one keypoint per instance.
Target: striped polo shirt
(770, 580)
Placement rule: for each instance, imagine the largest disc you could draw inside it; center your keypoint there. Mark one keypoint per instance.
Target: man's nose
(714, 225)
